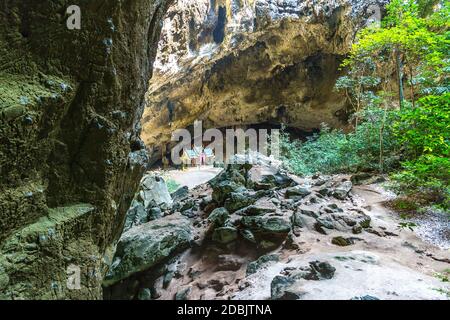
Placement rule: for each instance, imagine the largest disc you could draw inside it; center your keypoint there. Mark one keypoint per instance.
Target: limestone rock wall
(70, 154)
(240, 62)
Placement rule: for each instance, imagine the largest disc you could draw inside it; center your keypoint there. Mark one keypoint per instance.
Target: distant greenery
(172, 185)
(333, 151)
(400, 119)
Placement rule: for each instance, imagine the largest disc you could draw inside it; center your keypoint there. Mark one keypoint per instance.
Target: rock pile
(234, 225)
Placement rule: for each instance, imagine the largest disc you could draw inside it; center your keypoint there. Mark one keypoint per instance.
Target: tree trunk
(413, 98)
(398, 61)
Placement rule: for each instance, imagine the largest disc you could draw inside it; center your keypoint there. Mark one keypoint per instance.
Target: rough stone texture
(70, 154)
(152, 198)
(143, 247)
(286, 52)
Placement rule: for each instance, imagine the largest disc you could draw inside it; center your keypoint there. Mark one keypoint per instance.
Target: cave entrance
(262, 131)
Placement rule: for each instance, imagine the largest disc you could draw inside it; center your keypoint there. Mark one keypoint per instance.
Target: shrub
(370, 147)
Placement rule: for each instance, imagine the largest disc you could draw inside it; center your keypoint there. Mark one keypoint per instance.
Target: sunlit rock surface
(70, 155)
(245, 62)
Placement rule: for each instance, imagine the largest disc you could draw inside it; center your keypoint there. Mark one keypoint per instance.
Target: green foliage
(172, 185)
(425, 130)
(333, 151)
(414, 38)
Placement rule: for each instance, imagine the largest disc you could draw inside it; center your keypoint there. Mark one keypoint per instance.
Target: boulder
(219, 216)
(180, 194)
(342, 242)
(366, 297)
(278, 287)
(225, 235)
(145, 294)
(261, 262)
(239, 200)
(266, 225)
(255, 210)
(298, 192)
(276, 180)
(223, 189)
(321, 271)
(147, 245)
(153, 193)
(342, 190)
(154, 190)
(183, 294)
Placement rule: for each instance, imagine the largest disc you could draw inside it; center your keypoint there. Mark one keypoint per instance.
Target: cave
(86, 121)
(74, 107)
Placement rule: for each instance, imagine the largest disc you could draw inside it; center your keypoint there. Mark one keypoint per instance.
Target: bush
(424, 132)
(172, 185)
(426, 179)
(372, 146)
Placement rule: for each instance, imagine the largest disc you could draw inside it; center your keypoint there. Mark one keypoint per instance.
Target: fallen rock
(255, 210)
(143, 247)
(225, 235)
(297, 192)
(278, 287)
(262, 261)
(223, 189)
(342, 242)
(153, 193)
(219, 216)
(154, 190)
(183, 294)
(238, 200)
(366, 297)
(145, 294)
(342, 190)
(266, 226)
(180, 194)
(276, 180)
(321, 270)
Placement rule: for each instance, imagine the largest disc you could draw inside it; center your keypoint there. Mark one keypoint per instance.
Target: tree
(408, 41)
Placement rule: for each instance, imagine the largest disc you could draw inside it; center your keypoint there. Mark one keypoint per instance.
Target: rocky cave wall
(241, 62)
(70, 154)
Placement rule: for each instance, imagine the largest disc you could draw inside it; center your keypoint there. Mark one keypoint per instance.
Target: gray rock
(183, 294)
(238, 200)
(262, 261)
(223, 189)
(219, 216)
(297, 192)
(322, 270)
(180, 194)
(145, 294)
(248, 235)
(278, 287)
(143, 247)
(154, 190)
(277, 180)
(255, 210)
(366, 297)
(153, 193)
(266, 225)
(225, 235)
(154, 213)
(309, 213)
(341, 241)
(136, 215)
(341, 192)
